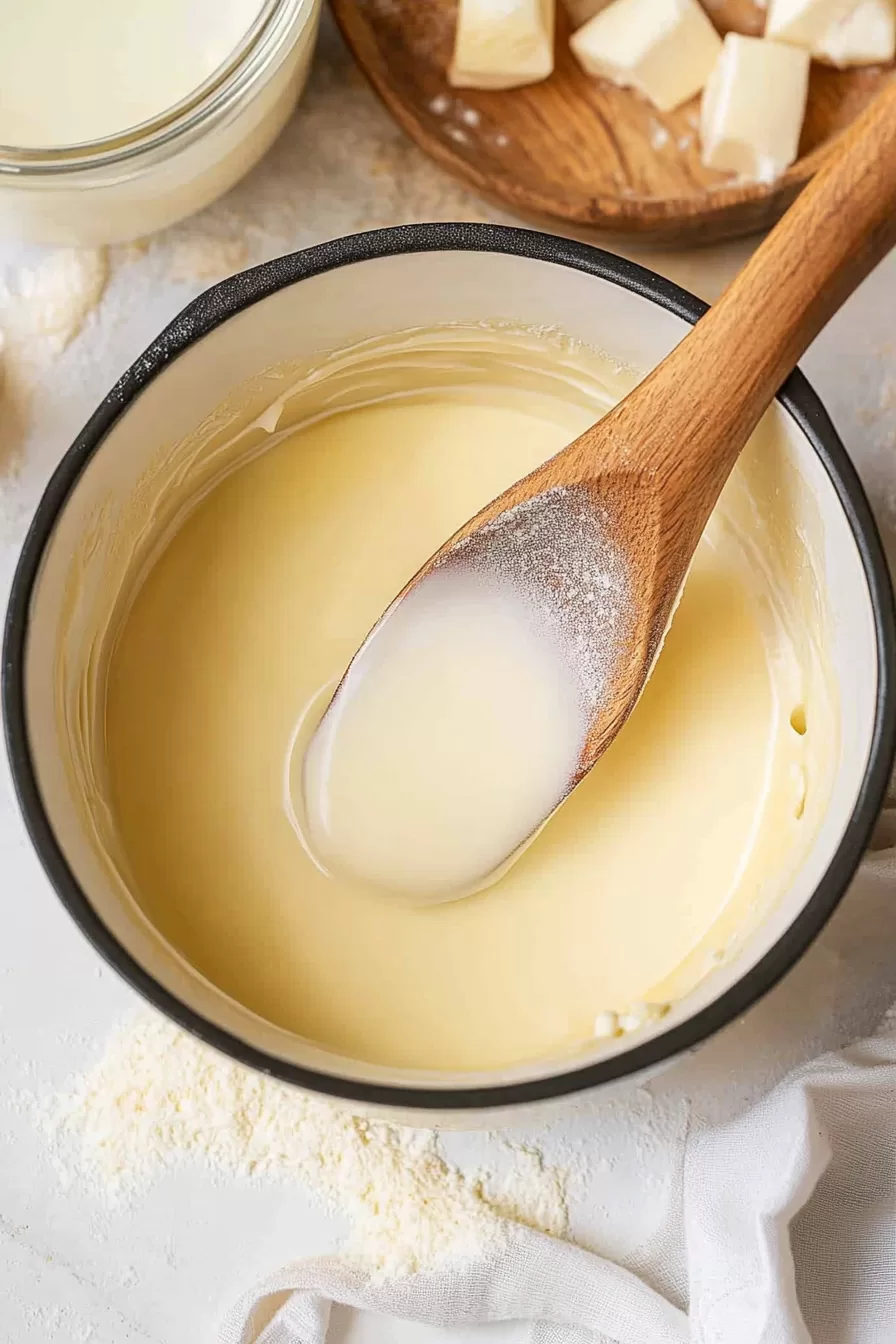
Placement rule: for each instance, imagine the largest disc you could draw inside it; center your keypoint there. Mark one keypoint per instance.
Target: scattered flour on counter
(205, 257)
(59, 1323)
(158, 1097)
(49, 302)
(42, 309)
(531, 1190)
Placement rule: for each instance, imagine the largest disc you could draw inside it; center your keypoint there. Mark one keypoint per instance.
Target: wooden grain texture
(578, 149)
(655, 465)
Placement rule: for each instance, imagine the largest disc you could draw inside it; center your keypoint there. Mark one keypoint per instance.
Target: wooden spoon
(655, 465)
(632, 495)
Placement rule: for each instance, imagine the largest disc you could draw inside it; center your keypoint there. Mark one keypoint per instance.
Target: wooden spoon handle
(711, 391)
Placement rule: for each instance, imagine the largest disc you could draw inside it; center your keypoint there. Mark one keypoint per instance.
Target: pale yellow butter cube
(502, 44)
(803, 23)
(867, 36)
(753, 107)
(663, 48)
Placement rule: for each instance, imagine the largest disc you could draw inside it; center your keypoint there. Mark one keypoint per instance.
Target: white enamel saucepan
(330, 297)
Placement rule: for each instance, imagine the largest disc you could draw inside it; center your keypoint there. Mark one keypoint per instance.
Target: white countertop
(72, 1271)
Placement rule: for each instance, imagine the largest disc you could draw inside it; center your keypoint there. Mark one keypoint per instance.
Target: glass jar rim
(207, 102)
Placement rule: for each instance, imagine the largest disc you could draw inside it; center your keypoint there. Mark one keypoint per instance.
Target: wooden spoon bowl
(579, 150)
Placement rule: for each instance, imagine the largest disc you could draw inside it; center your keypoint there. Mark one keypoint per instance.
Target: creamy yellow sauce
(678, 841)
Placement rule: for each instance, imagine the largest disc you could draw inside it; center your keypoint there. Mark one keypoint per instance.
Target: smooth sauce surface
(258, 604)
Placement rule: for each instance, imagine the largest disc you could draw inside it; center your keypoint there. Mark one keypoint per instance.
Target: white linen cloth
(786, 1214)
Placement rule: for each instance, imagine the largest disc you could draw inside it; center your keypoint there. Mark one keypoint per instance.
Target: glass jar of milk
(118, 119)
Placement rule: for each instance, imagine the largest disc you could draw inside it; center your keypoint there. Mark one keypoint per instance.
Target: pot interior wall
(332, 310)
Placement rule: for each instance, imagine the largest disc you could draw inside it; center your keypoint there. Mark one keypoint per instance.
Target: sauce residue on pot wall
(262, 550)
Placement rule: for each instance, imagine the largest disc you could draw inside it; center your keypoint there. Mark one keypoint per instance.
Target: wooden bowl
(580, 150)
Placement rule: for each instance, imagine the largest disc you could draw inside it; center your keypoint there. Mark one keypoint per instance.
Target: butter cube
(804, 22)
(753, 107)
(502, 44)
(867, 36)
(663, 48)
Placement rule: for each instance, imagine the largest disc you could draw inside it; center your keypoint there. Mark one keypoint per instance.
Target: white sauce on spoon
(454, 734)
(461, 722)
